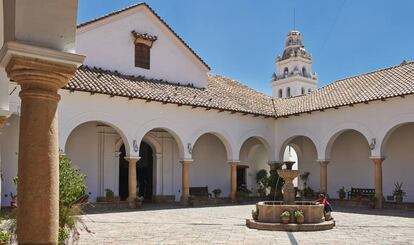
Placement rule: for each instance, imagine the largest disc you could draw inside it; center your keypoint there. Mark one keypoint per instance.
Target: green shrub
(5, 236)
(71, 192)
(298, 213)
(262, 181)
(285, 214)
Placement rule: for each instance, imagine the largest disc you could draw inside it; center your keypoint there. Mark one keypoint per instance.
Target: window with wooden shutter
(142, 55)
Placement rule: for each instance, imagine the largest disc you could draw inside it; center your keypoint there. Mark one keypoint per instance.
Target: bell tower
(294, 74)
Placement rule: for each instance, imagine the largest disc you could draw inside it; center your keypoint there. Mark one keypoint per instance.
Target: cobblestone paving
(226, 225)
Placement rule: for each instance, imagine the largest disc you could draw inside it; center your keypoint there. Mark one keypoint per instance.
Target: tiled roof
(229, 95)
(221, 94)
(378, 85)
(156, 15)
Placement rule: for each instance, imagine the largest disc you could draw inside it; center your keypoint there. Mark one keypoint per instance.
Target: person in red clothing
(326, 206)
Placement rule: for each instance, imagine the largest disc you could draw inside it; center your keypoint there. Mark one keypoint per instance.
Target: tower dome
(294, 74)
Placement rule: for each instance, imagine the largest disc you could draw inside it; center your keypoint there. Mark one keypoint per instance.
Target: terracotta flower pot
(138, 203)
(285, 219)
(300, 220)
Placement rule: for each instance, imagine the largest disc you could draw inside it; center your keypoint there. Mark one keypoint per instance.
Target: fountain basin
(269, 211)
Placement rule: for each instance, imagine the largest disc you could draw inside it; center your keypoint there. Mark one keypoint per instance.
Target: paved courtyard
(226, 225)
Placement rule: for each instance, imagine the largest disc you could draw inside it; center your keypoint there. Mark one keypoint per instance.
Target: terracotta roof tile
(226, 94)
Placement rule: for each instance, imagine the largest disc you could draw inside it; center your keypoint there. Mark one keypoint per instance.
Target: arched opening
(399, 158)
(92, 147)
(302, 150)
(286, 72)
(145, 172)
(280, 93)
(163, 147)
(210, 167)
(288, 92)
(303, 90)
(304, 71)
(253, 158)
(309, 90)
(349, 164)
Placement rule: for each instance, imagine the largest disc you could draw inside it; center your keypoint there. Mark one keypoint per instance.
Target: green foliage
(308, 192)
(398, 191)
(342, 193)
(262, 181)
(15, 179)
(109, 193)
(298, 213)
(71, 186)
(5, 236)
(285, 214)
(71, 192)
(275, 182)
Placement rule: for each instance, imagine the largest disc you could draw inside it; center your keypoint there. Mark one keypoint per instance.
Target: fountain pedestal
(288, 188)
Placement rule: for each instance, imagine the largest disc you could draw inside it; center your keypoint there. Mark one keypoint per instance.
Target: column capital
(323, 161)
(38, 68)
(186, 161)
(377, 160)
(157, 155)
(132, 158)
(235, 162)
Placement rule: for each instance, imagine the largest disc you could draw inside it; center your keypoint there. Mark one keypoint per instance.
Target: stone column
(132, 179)
(185, 192)
(233, 180)
(323, 172)
(38, 160)
(378, 181)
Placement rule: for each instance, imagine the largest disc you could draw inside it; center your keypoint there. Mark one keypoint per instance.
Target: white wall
(399, 161)
(253, 154)
(210, 167)
(111, 46)
(350, 165)
(9, 144)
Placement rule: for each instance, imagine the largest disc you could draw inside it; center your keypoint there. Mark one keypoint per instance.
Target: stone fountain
(269, 211)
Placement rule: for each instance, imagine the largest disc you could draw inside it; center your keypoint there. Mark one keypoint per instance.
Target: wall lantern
(189, 148)
(135, 145)
(373, 144)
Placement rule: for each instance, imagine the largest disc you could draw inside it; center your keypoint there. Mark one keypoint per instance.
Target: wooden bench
(361, 192)
(200, 192)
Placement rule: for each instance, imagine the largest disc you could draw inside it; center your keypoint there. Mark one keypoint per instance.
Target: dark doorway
(241, 176)
(144, 172)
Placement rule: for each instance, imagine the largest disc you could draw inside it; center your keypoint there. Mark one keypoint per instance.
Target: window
(309, 90)
(286, 72)
(288, 92)
(303, 71)
(280, 93)
(142, 55)
(303, 90)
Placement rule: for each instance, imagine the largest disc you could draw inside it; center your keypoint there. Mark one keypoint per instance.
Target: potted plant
(285, 217)
(342, 193)
(398, 192)
(255, 214)
(373, 201)
(4, 237)
(109, 195)
(13, 201)
(138, 201)
(216, 193)
(299, 216)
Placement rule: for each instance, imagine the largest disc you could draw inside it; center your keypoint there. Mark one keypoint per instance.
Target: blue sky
(240, 39)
